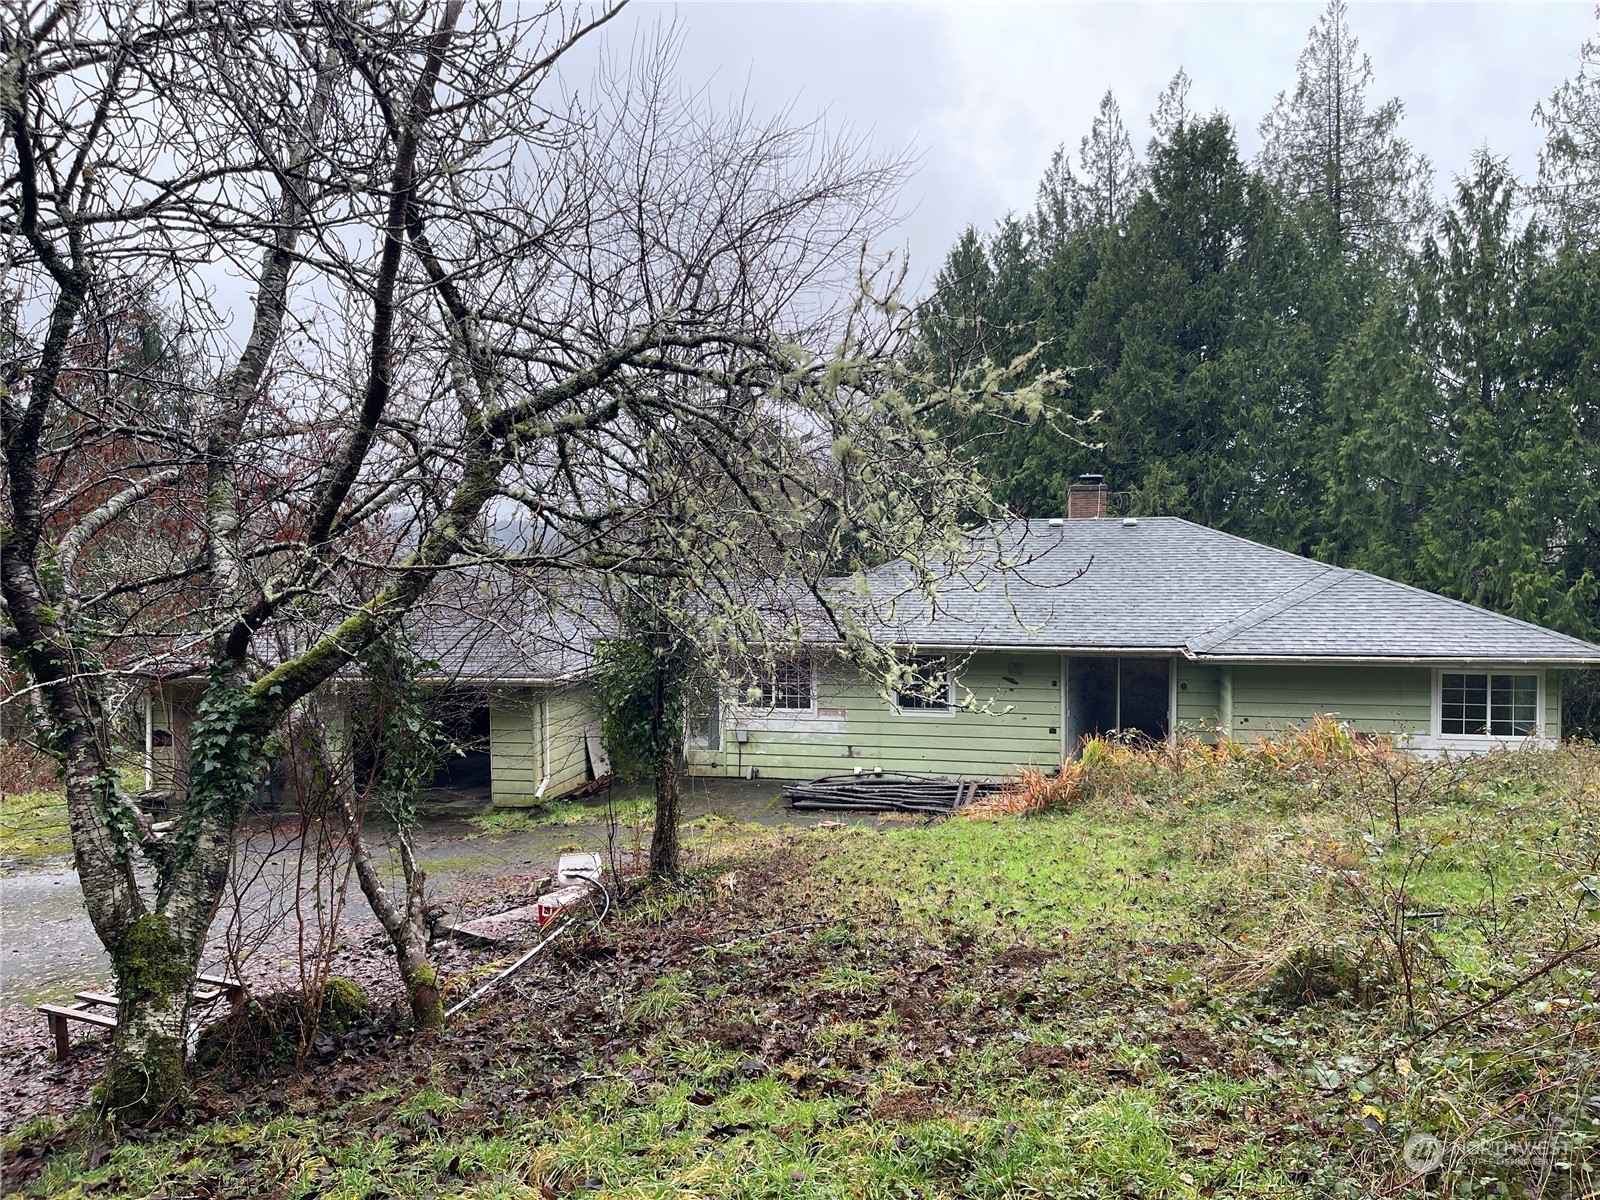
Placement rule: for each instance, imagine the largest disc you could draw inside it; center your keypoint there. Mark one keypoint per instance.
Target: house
(1049, 631)
(1093, 625)
(509, 670)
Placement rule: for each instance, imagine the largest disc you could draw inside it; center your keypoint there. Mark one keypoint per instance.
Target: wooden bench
(210, 986)
(59, 1014)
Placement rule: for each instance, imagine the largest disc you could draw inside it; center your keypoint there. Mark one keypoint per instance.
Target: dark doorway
(1121, 697)
(465, 721)
(1091, 699)
(1145, 698)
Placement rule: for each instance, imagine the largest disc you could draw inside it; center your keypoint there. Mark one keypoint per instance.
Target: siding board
(522, 723)
(1016, 723)
(1199, 693)
(1372, 699)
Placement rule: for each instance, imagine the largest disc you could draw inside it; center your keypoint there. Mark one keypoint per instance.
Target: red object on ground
(552, 904)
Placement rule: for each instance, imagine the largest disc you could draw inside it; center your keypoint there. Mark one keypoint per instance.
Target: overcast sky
(986, 91)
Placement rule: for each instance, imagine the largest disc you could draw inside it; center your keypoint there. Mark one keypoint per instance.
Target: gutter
(1030, 647)
(1203, 657)
(507, 680)
(1396, 660)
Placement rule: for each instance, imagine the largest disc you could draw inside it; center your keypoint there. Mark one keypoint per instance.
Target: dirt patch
(732, 1035)
(1022, 958)
(1042, 1056)
(1192, 1050)
(905, 1107)
(914, 1010)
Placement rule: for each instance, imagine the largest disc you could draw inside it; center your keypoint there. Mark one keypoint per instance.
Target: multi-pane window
(929, 685)
(1486, 703)
(789, 686)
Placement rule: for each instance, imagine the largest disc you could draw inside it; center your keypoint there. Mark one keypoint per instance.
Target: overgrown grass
(1198, 973)
(33, 827)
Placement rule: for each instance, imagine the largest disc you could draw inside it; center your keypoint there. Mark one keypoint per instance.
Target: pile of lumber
(886, 792)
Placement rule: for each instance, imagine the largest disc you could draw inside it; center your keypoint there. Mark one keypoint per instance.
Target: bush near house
(1310, 969)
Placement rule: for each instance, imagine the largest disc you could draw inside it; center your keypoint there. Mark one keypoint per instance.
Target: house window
(1485, 703)
(705, 724)
(928, 688)
(789, 686)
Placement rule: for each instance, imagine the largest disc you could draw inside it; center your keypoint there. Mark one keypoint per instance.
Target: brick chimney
(1087, 497)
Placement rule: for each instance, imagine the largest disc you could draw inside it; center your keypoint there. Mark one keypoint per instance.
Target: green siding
(1017, 723)
(514, 747)
(1371, 699)
(571, 714)
(522, 723)
(1198, 697)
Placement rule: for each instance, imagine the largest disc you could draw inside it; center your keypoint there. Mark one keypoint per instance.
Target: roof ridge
(1251, 617)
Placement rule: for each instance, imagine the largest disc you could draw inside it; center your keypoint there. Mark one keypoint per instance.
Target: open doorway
(464, 719)
(1118, 697)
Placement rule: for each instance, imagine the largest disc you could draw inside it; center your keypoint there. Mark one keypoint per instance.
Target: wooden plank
(58, 1028)
(96, 998)
(222, 982)
(87, 1015)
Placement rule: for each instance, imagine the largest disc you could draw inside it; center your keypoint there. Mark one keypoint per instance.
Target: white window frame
(810, 708)
(930, 710)
(1437, 739)
(700, 737)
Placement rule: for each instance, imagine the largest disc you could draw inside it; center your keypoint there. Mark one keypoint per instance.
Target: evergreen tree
(1172, 109)
(1463, 463)
(1322, 143)
(1515, 467)
(1058, 209)
(957, 320)
(1569, 164)
(1112, 175)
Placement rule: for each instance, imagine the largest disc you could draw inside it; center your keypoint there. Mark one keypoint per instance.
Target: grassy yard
(1242, 975)
(33, 827)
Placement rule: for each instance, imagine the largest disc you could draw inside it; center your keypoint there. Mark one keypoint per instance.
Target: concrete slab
(519, 923)
(498, 927)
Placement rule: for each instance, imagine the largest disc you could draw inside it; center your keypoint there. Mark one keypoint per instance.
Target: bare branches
(316, 304)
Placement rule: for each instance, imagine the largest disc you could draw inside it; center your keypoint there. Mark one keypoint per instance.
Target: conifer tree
(1569, 163)
(1112, 175)
(1172, 109)
(1322, 142)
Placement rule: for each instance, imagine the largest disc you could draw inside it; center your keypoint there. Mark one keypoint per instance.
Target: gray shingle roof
(479, 629)
(1166, 584)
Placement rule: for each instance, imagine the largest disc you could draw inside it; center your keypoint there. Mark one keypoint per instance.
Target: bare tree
(403, 282)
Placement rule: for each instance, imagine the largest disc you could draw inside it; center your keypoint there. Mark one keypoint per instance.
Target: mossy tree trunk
(405, 922)
(155, 935)
(327, 734)
(155, 967)
(666, 736)
(664, 849)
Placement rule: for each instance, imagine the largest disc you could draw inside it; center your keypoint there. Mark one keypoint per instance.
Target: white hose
(556, 929)
(559, 927)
